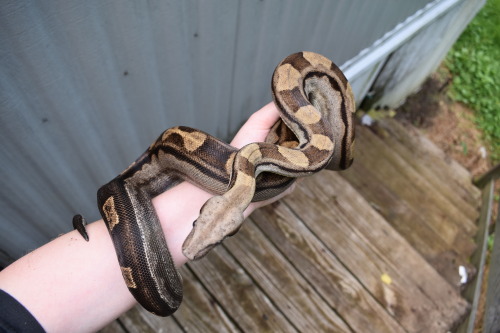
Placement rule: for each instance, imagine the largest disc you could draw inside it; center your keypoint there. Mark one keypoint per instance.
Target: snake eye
(194, 223)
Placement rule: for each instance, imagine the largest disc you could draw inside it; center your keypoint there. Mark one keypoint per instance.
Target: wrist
(177, 209)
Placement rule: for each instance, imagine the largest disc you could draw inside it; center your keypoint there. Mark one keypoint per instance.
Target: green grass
(474, 62)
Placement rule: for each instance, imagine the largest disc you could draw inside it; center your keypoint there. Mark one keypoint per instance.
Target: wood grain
(249, 308)
(417, 296)
(412, 187)
(460, 212)
(321, 268)
(441, 179)
(200, 312)
(294, 296)
(138, 320)
(428, 154)
(408, 202)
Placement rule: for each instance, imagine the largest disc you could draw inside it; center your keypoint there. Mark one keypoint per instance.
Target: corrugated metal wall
(85, 86)
(421, 54)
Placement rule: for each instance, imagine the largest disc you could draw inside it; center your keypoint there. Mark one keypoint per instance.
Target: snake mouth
(195, 246)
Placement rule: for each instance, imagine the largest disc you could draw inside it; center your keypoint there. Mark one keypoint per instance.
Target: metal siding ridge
(403, 31)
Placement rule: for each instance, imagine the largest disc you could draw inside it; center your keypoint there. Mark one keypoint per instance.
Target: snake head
(217, 221)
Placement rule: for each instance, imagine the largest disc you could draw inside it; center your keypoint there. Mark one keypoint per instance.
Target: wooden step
(434, 225)
(199, 312)
(446, 176)
(240, 297)
(340, 294)
(398, 174)
(340, 289)
(138, 320)
(286, 287)
(416, 296)
(427, 154)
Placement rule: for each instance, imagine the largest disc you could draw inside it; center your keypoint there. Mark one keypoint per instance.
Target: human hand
(177, 215)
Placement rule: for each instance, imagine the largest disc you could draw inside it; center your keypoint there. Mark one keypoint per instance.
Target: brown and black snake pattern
(316, 131)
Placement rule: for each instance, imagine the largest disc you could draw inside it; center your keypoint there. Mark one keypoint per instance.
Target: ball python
(316, 131)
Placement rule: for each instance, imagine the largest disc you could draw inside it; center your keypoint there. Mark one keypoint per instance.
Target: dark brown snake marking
(316, 131)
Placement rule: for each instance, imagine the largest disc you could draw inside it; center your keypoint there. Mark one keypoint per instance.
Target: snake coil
(316, 131)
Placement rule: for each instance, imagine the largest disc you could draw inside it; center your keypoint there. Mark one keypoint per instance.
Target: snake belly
(316, 131)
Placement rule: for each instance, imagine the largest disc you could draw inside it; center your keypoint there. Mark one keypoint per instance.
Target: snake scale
(316, 131)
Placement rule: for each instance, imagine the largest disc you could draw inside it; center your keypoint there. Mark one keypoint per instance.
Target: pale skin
(71, 285)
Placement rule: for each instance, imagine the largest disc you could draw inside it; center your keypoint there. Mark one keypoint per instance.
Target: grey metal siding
(411, 63)
(85, 86)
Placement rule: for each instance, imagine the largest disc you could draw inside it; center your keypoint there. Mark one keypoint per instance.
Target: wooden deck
(375, 248)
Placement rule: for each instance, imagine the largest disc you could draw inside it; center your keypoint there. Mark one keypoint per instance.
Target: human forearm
(73, 285)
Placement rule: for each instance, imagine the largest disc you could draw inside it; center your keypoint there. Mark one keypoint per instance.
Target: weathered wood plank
(138, 320)
(247, 306)
(287, 289)
(199, 311)
(383, 261)
(407, 222)
(399, 213)
(340, 289)
(411, 186)
(444, 167)
(439, 181)
(409, 209)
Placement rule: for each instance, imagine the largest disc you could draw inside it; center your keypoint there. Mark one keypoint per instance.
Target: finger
(257, 126)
